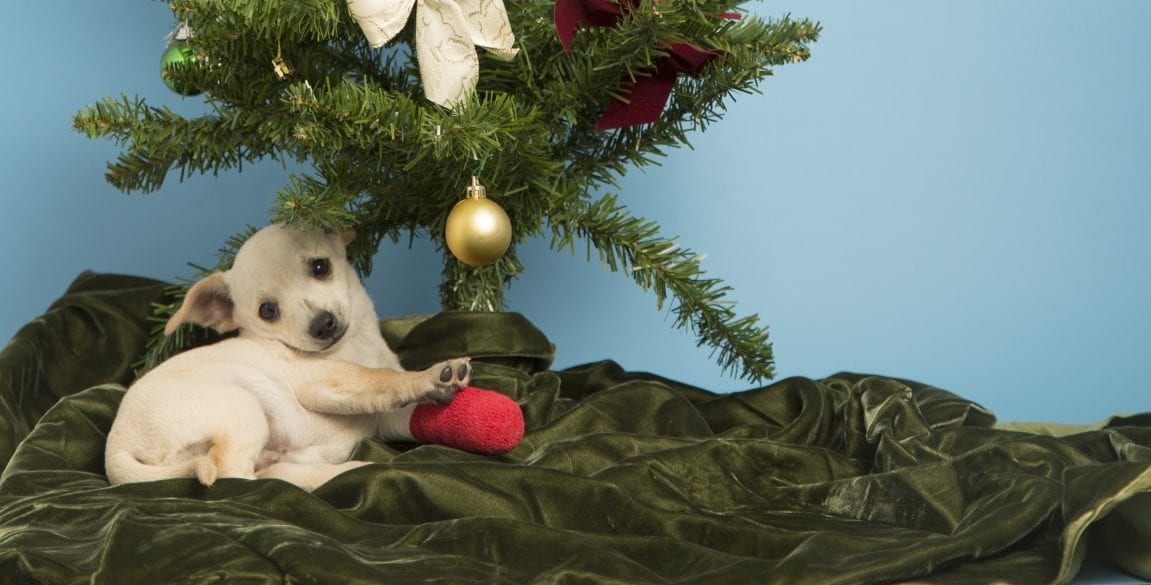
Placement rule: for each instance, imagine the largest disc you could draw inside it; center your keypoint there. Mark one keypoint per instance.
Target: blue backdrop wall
(952, 192)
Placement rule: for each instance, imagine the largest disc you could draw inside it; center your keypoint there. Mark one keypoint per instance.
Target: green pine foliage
(391, 164)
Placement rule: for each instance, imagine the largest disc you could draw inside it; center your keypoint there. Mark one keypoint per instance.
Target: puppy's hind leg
(228, 458)
(237, 438)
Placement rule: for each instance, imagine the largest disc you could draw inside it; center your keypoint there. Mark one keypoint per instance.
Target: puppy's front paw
(447, 378)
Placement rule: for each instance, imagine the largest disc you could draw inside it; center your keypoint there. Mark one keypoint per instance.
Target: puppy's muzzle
(325, 327)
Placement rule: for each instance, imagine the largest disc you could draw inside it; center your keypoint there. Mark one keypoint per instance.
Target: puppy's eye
(269, 311)
(321, 267)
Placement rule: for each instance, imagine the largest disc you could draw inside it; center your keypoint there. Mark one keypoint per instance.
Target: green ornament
(178, 54)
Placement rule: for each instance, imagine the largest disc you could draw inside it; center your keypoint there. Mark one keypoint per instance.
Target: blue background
(951, 192)
(956, 194)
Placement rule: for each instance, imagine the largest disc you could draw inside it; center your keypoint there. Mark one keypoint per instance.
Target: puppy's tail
(124, 467)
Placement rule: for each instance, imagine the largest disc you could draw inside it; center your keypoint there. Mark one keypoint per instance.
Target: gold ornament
(478, 230)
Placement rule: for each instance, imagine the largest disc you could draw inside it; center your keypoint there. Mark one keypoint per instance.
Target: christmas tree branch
(386, 161)
(659, 265)
(266, 20)
(384, 125)
(747, 49)
(158, 140)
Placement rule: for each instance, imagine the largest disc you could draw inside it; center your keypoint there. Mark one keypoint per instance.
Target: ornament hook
(279, 66)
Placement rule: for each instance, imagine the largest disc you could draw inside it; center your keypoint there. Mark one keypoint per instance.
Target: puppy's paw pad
(449, 377)
(446, 374)
(457, 372)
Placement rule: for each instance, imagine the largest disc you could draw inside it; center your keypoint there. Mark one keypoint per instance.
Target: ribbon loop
(447, 33)
(645, 100)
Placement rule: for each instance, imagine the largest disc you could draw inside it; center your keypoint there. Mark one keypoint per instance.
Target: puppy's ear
(347, 236)
(208, 304)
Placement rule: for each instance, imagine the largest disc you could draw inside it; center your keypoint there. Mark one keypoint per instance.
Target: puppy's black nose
(323, 326)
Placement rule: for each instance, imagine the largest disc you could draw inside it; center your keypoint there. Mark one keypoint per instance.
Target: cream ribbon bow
(447, 33)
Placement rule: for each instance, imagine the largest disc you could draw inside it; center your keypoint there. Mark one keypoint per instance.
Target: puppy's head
(292, 286)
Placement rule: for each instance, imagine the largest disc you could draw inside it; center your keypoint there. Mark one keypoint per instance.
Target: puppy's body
(308, 377)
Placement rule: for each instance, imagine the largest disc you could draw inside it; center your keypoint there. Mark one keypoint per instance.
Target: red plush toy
(476, 420)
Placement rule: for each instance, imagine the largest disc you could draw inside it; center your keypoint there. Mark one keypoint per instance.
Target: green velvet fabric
(621, 478)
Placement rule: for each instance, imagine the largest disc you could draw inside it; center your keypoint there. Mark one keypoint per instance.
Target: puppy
(306, 379)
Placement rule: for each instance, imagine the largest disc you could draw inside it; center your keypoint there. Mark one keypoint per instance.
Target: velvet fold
(622, 477)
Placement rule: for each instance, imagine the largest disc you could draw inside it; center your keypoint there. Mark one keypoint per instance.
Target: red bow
(569, 14)
(645, 100)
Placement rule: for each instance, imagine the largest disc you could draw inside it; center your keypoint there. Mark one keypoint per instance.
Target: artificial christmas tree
(590, 89)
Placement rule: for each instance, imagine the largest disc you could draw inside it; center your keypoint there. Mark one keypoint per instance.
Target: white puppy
(307, 378)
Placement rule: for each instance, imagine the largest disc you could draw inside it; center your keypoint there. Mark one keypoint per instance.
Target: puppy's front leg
(336, 387)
